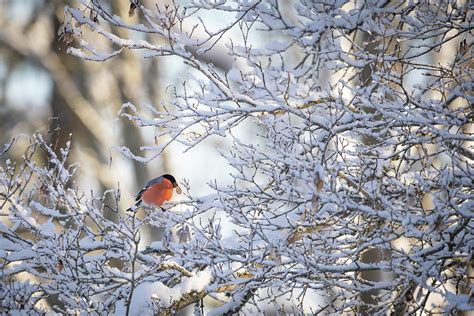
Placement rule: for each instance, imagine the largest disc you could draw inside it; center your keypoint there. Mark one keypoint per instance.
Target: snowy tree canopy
(355, 195)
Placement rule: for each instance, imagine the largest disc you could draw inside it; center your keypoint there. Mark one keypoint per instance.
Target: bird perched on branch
(156, 192)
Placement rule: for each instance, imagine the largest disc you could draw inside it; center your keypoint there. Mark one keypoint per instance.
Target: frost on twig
(68, 249)
(356, 187)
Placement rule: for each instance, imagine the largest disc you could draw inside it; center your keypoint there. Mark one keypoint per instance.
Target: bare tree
(365, 146)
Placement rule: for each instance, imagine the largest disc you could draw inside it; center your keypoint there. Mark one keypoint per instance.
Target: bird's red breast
(158, 193)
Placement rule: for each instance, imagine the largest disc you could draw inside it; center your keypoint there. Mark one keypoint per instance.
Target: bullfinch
(156, 192)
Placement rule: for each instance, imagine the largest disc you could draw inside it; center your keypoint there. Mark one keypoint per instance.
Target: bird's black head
(170, 177)
(173, 182)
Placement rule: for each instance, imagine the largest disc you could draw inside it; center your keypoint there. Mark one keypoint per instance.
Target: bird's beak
(178, 189)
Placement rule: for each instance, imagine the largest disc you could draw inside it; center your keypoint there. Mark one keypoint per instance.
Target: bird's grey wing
(153, 181)
(147, 185)
(139, 194)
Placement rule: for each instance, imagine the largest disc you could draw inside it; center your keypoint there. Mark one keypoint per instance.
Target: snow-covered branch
(354, 195)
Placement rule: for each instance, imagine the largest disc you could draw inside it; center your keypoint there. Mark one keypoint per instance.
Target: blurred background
(44, 89)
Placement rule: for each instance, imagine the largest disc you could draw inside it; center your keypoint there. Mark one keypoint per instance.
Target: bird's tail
(135, 207)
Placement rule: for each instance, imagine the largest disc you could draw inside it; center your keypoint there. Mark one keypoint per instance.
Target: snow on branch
(354, 196)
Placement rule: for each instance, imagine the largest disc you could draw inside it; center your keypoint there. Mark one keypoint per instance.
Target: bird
(156, 192)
